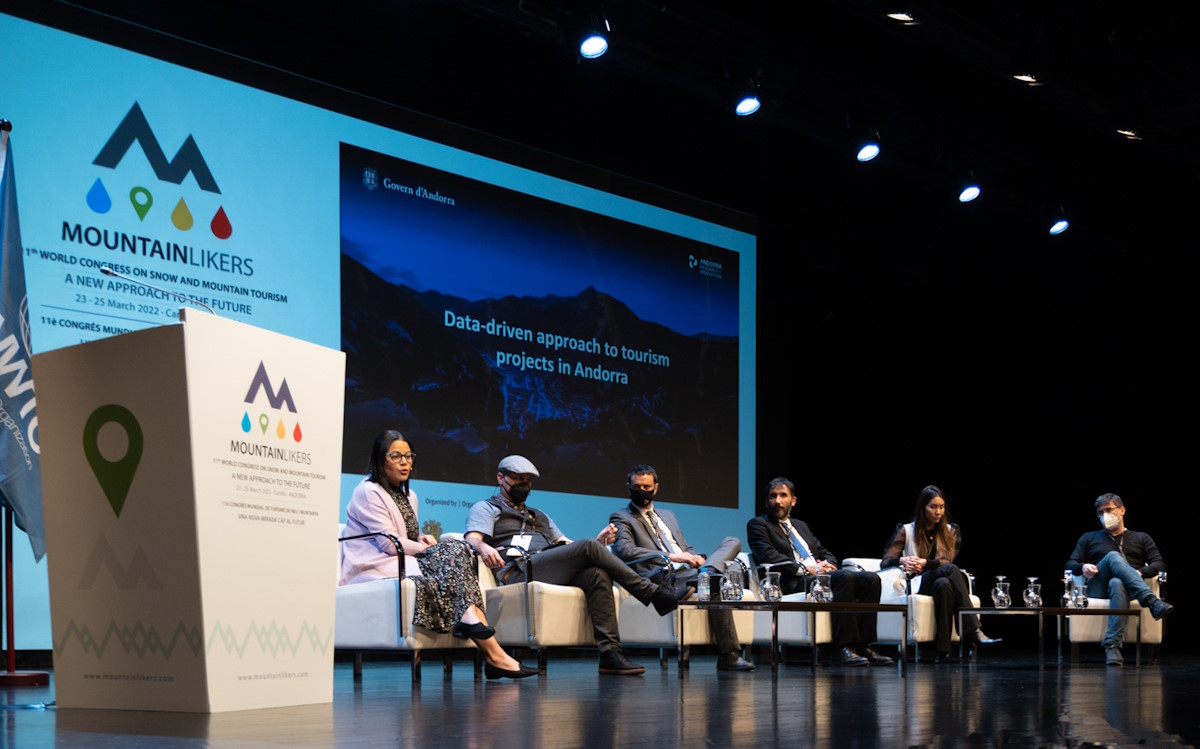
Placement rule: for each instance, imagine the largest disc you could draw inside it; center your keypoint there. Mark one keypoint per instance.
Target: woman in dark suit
(925, 548)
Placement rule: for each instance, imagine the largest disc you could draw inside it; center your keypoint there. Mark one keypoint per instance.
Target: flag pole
(11, 677)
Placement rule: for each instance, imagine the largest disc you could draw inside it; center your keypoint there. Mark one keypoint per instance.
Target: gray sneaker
(1112, 656)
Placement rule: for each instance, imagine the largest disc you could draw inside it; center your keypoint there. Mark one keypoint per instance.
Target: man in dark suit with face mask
(644, 530)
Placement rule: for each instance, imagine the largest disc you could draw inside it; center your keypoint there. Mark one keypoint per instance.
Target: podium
(191, 478)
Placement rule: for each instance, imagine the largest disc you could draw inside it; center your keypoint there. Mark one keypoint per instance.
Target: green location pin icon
(264, 421)
(142, 200)
(115, 476)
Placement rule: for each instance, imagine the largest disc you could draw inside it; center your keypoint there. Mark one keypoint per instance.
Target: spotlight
(748, 104)
(969, 188)
(868, 149)
(593, 34)
(1059, 222)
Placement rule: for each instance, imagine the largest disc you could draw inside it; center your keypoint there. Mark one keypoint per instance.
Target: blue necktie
(794, 537)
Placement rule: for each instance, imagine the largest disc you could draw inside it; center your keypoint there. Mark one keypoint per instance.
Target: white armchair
(378, 615)
(922, 626)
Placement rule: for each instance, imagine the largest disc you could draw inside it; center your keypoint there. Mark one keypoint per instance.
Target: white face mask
(1110, 521)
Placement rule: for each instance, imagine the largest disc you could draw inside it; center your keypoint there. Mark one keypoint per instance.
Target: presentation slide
(487, 306)
(520, 325)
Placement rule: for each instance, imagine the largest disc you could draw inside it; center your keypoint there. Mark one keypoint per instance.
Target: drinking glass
(1033, 594)
(819, 590)
(1000, 597)
(1079, 599)
(770, 587)
(733, 573)
(728, 593)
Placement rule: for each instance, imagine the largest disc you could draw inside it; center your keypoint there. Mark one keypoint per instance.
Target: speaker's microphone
(190, 300)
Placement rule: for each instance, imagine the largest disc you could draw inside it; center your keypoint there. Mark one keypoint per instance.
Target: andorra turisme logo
(133, 130)
(281, 406)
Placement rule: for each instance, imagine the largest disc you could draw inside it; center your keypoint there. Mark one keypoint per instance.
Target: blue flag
(20, 460)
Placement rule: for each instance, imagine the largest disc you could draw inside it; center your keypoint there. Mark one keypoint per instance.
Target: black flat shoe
(476, 631)
(495, 672)
(944, 658)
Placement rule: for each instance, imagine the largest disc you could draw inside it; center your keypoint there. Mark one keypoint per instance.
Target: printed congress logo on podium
(278, 399)
(135, 129)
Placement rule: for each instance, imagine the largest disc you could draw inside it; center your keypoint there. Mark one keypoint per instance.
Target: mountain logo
(135, 129)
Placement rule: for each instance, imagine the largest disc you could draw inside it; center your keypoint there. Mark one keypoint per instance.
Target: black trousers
(848, 585)
(947, 585)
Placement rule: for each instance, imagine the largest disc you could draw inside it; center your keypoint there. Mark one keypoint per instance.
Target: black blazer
(769, 544)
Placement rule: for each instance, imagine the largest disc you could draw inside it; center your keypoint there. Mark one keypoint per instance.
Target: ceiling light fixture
(904, 17)
(1059, 222)
(594, 33)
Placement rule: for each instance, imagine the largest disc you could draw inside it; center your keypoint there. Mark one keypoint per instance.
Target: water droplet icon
(296, 435)
(142, 200)
(280, 432)
(221, 227)
(98, 198)
(246, 422)
(181, 216)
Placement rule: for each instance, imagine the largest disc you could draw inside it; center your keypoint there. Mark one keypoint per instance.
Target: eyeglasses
(401, 457)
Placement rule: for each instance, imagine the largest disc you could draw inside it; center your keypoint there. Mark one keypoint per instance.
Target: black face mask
(641, 497)
(518, 493)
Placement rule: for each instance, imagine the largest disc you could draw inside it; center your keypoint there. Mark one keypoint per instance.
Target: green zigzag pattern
(142, 640)
(273, 639)
(138, 639)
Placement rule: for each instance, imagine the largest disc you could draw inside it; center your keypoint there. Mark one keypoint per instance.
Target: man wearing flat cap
(503, 526)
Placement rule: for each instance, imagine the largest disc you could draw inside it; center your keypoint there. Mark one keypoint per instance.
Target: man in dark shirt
(775, 537)
(1114, 560)
(505, 522)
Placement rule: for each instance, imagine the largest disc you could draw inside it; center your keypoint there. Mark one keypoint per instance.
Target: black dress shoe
(944, 658)
(495, 672)
(875, 658)
(733, 662)
(847, 657)
(476, 631)
(616, 662)
(664, 600)
(979, 638)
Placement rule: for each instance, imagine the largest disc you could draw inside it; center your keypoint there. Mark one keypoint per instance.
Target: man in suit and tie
(775, 537)
(644, 530)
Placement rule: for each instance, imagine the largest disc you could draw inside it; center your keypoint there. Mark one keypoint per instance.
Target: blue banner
(20, 463)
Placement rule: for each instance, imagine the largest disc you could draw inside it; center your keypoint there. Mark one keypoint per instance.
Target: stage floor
(1000, 700)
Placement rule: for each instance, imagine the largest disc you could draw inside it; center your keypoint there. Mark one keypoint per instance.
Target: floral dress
(448, 585)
